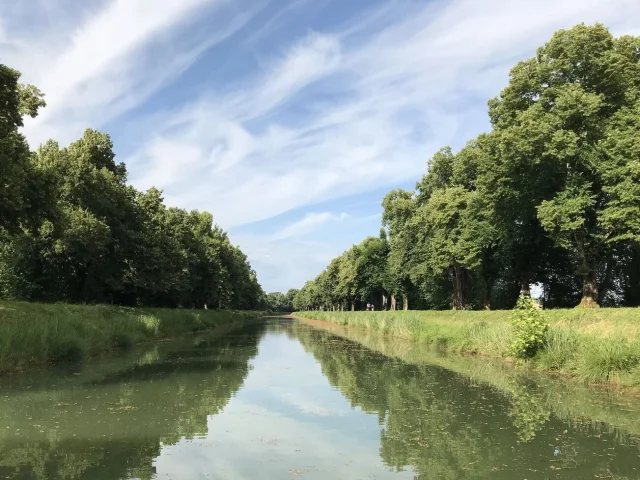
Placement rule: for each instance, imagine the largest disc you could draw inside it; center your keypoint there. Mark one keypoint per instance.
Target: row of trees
(432, 421)
(281, 302)
(72, 230)
(550, 196)
(176, 405)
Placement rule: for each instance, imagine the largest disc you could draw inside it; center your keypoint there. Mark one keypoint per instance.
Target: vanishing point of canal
(279, 400)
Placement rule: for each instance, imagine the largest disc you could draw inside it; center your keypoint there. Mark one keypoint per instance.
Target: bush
(530, 328)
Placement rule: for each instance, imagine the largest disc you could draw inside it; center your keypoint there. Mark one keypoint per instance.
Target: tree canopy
(549, 196)
(73, 230)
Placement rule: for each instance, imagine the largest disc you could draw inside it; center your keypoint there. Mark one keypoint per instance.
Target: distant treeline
(72, 230)
(281, 302)
(550, 196)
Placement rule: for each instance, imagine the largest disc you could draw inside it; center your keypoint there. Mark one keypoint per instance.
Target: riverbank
(593, 406)
(594, 346)
(34, 334)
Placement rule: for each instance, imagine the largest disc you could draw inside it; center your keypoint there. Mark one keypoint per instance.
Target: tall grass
(571, 401)
(594, 346)
(34, 333)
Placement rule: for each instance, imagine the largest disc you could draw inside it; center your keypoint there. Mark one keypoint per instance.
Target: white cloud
(314, 57)
(333, 112)
(381, 97)
(308, 224)
(284, 263)
(113, 60)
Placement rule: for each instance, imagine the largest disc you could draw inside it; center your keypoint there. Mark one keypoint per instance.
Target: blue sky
(287, 119)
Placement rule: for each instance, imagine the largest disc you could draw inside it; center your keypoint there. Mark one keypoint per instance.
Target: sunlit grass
(598, 409)
(34, 333)
(595, 346)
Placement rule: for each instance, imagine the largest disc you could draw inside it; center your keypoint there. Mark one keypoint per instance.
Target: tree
(550, 123)
(71, 229)
(371, 268)
(550, 196)
(443, 220)
(621, 175)
(19, 182)
(398, 209)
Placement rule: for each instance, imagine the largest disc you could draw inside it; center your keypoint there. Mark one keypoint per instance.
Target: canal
(277, 399)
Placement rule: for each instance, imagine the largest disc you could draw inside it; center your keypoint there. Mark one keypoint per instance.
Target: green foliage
(72, 230)
(550, 196)
(34, 333)
(19, 185)
(530, 328)
(281, 302)
(597, 346)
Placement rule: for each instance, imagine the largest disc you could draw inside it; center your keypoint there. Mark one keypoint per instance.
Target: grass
(598, 408)
(597, 346)
(35, 333)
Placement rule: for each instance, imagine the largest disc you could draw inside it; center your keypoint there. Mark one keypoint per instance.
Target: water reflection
(281, 400)
(113, 420)
(443, 426)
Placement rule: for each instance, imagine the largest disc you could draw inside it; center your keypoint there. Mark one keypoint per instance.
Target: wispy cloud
(114, 59)
(380, 97)
(310, 223)
(302, 249)
(297, 109)
(312, 58)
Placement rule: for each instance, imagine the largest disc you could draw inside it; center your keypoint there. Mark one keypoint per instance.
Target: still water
(280, 400)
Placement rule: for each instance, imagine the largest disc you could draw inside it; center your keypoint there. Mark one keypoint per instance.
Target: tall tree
(398, 209)
(550, 122)
(18, 180)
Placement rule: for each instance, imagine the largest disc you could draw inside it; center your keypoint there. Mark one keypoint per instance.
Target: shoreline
(34, 335)
(584, 347)
(605, 404)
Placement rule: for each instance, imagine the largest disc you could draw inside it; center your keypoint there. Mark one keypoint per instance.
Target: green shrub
(530, 328)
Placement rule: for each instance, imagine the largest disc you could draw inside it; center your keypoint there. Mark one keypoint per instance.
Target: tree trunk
(589, 290)
(487, 298)
(525, 286)
(489, 280)
(353, 306)
(385, 301)
(393, 302)
(606, 284)
(458, 279)
(405, 302)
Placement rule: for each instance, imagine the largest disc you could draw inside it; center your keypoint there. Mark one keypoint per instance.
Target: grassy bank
(597, 408)
(595, 346)
(33, 333)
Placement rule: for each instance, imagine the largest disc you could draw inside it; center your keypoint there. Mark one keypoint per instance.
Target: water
(278, 400)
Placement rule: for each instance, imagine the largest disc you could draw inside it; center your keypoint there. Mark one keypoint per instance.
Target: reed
(36, 333)
(594, 346)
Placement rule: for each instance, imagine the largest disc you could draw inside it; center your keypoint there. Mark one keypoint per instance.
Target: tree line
(281, 302)
(73, 230)
(549, 196)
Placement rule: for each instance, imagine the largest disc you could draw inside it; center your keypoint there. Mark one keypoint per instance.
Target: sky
(287, 421)
(288, 120)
